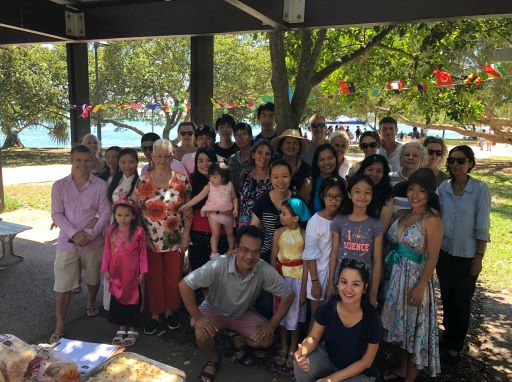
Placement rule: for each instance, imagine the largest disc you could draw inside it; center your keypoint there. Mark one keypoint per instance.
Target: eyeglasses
(184, 133)
(333, 198)
(436, 152)
(246, 251)
(147, 148)
(370, 145)
(318, 125)
(458, 160)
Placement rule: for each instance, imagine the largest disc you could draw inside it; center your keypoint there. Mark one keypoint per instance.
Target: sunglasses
(147, 148)
(436, 152)
(370, 145)
(458, 160)
(186, 133)
(318, 125)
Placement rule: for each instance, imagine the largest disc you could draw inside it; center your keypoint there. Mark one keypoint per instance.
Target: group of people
(285, 238)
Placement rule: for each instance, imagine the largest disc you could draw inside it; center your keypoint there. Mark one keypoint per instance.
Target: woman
(409, 311)
(351, 330)
(255, 182)
(186, 131)
(377, 168)
(412, 157)
(437, 152)
(98, 164)
(110, 169)
(289, 145)
(160, 193)
(369, 143)
(325, 164)
(240, 161)
(341, 142)
(200, 232)
(126, 177)
(466, 204)
(265, 214)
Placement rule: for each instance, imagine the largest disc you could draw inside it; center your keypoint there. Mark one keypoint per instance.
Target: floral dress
(159, 206)
(250, 191)
(413, 328)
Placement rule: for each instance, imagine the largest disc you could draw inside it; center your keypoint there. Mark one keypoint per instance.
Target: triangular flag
(95, 108)
(251, 105)
(230, 105)
(396, 85)
(420, 88)
(347, 87)
(495, 70)
(472, 79)
(443, 78)
(104, 107)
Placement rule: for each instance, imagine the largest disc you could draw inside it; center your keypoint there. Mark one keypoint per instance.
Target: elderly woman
(255, 182)
(160, 193)
(186, 131)
(98, 164)
(341, 142)
(437, 152)
(465, 212)
(241, 160)
(289, 145)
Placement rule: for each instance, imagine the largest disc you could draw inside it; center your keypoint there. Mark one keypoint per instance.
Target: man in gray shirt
(234, 283)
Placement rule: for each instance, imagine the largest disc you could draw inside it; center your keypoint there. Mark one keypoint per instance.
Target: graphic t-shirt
(356, 239)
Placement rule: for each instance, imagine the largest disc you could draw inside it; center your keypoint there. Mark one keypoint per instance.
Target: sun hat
(288, 133)
(425, 178)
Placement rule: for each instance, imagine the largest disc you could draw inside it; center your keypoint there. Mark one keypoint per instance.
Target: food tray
(163, 366)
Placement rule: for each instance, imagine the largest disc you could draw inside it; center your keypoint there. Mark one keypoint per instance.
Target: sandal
(209, 377)
(92, 310)
(55, 337)
(78, 289)
(119, 338)
(289, 360)
(392, 377)
(131, 338)
(280, 358)
(242, 353)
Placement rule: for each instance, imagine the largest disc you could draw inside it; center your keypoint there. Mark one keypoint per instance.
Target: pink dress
(125, 259)
(219, 199)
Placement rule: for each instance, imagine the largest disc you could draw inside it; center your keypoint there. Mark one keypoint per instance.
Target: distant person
(98, 164)
(350, 134)
(267, 120)
(390, 149)
(186, 131)
(78, 199)
(146, 144)
(318, 129)
(481, 141)
(234, 283)
(358, 133)
(224, 126)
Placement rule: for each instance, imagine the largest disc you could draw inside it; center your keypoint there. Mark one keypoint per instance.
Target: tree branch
(396, 50)
(123, 126)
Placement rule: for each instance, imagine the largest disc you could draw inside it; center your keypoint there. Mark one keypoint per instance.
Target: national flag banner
(495, 70)
(347, 87)
(372, 93)
(251, 105)
(96, 108)
(230, 105)
(396, 85)
(420, 88)
(443, 78)
(472, 79)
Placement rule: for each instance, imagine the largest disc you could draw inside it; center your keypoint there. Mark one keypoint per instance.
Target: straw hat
(292, 133)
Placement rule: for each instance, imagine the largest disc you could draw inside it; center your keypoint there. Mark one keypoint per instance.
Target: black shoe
(151, 326)
(450, 359)
(173, 322)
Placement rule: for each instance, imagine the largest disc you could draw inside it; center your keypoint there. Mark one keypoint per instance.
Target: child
(125, 265)
(357, 235)
(221, 198)
(287, 249)
(318, 241)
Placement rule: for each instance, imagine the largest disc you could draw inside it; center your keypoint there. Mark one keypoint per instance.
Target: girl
(286, 257)
(125, 265)
(126, 177)
(351, 330)
(221, 198)
(357, 234)
(318, 241)
(409, 312)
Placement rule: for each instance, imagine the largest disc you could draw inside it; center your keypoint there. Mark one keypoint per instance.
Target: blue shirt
(466, 217)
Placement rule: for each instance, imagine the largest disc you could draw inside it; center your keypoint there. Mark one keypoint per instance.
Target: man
(267, 120)
(390, 148)
(205, 137)
(234, 284)
(224, 126)
(318, 129)
(240, 160)
(146, 144)
(77, 200)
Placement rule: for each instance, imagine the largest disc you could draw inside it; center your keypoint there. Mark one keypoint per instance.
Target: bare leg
(214, 240)
(61, 309)
(207, 345)
(294, 340)
(284, 338)
(93, 293)
(230, 236)
(402, 370)
(412, 370)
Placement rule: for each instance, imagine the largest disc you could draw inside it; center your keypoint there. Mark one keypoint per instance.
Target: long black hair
(197, 180)
(382, 190)
(330, 182)
(119, 174)
(347, 205)
(105, 174)
(315, 171)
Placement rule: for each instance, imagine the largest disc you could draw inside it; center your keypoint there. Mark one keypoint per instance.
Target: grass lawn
(30, 195)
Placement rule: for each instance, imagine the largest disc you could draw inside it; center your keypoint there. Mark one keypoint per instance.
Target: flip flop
(92, 310)
(119, 338)
(131, 338)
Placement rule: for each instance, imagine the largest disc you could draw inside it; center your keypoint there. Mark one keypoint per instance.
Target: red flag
(347, 87)
(396, 85)
(250, 105)
(495, 70)
(443, 78)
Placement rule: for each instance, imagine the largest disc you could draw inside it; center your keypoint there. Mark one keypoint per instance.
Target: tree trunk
(12, 140)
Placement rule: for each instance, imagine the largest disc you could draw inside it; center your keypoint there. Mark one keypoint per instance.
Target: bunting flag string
(443, 80)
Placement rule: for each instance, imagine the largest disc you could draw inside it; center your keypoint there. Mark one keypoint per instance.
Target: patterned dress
(250, 191)
(413, 328)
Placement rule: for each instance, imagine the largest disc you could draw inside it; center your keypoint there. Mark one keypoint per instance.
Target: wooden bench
(7, 233)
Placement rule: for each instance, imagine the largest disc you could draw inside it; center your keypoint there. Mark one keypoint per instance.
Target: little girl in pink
(125, 264)
(221, 201)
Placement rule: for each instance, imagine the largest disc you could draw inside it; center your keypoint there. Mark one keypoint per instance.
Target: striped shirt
(268, 214)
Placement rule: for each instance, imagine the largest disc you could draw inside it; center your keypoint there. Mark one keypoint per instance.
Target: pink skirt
(223, 219)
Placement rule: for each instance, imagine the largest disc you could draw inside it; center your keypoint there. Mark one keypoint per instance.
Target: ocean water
(37, 137)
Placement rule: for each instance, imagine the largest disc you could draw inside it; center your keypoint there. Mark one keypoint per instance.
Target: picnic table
(8, 232)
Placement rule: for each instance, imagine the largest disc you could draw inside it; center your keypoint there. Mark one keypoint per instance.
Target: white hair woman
(92, 142)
